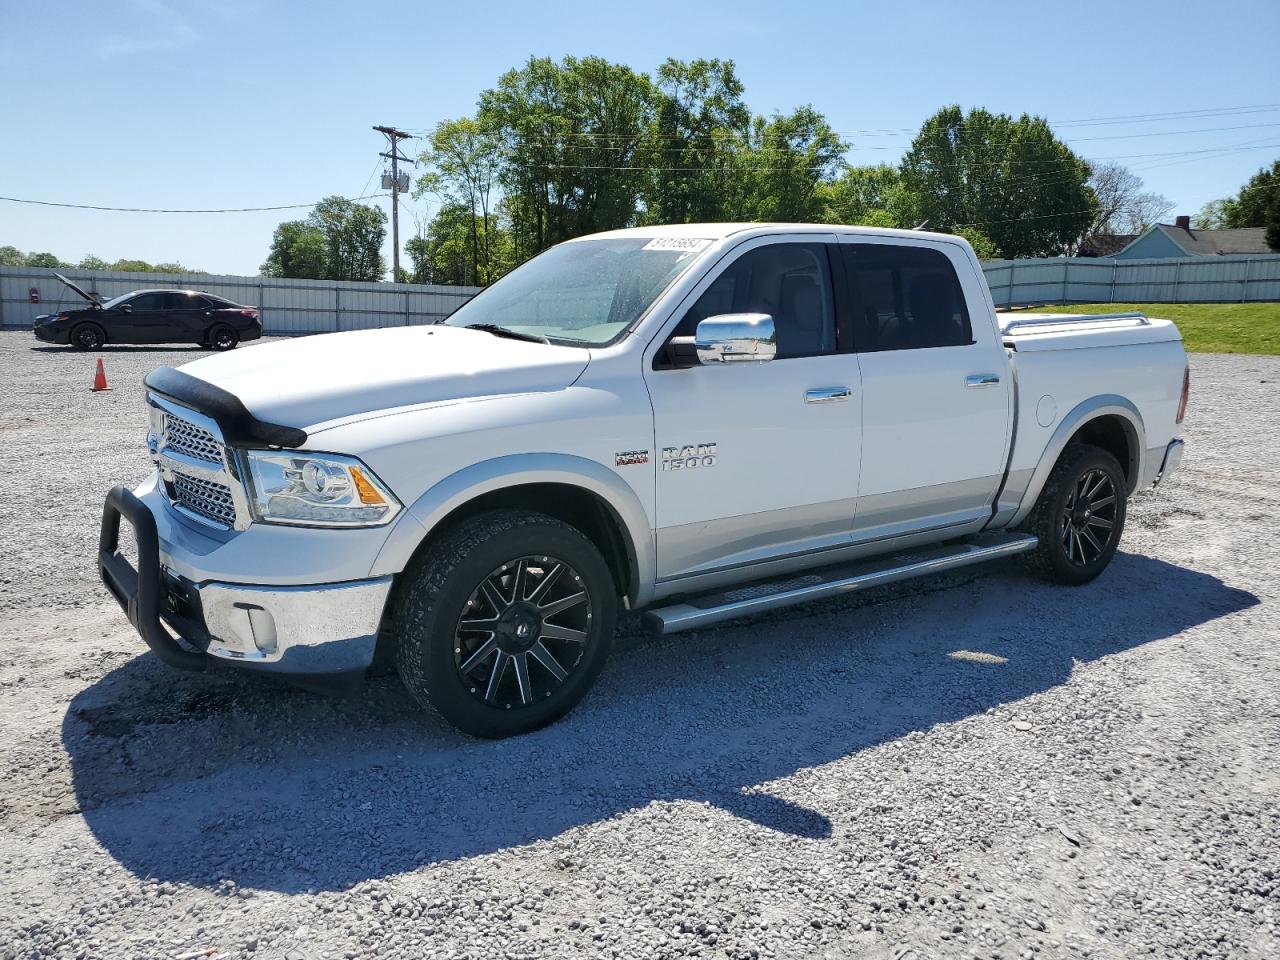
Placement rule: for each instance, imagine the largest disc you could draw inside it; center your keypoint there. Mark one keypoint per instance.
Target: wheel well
(580, 508)
(1115, 435)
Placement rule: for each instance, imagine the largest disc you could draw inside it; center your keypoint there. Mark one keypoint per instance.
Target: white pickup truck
(700, 422)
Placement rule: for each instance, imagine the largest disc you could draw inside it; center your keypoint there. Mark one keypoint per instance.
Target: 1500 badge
(689, 457)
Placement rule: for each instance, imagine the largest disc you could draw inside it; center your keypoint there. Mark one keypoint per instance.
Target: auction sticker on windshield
(685, 244)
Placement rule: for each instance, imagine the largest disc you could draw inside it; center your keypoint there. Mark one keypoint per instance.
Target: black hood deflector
(240, 428)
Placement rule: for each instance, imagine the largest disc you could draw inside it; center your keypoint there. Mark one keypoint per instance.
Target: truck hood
(313, 380)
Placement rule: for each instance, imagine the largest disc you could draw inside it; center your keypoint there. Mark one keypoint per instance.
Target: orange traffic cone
(100, 379)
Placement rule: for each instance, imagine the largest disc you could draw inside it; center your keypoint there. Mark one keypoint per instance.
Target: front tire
(1079, 516)
(505, 622)
(88, 336)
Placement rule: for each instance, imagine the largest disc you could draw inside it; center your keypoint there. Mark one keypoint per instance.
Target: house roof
(1213, 243)
(1105, 244)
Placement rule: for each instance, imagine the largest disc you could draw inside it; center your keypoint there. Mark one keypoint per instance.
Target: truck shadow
(206, 778)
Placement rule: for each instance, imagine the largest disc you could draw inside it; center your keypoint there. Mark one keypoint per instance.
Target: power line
(92, 206)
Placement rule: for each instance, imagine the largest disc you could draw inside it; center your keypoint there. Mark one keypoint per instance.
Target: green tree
(464, 160)
(787, 157)
(339, 240)
(12, 257)
(1212, 216)
(133, 266)
(91, 262)
(1011, 178)
(353, 236)
(1273, 225)
(298, 251)
(699, 128)
(44, 260)
(1251, 207)
(871, 195)
(981, 243)
(572, 133)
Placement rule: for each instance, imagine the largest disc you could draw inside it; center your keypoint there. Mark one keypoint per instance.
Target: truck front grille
(187, 438)
(205, 497)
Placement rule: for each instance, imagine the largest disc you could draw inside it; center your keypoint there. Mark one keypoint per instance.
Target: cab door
(758, 460)
(146, 318)
(936, 391)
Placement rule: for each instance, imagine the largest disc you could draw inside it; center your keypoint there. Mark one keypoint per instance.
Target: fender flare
(1103, 405)
(515, 470)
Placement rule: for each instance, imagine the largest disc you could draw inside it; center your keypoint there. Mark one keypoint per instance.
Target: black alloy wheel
(223, 338)
(1088, 518)
(523, 632)
(1078, 517)
(87, 336)
(502, 623)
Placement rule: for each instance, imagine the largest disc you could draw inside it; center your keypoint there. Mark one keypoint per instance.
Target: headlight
(317, 489)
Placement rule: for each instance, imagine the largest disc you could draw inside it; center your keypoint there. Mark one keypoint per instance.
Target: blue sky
(235, 103)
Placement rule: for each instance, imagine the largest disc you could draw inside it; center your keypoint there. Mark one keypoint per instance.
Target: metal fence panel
(1237, 279)
(287, 306)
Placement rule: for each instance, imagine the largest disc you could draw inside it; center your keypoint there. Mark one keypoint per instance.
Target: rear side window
(904, 298)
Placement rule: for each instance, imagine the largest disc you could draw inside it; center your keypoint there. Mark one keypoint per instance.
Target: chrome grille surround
(198, 472)
(193, 440)
(206, 497)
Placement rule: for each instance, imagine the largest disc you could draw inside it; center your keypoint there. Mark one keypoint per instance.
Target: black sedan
(151, 316)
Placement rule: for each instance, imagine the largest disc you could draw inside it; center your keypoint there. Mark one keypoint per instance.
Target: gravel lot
(985, 766)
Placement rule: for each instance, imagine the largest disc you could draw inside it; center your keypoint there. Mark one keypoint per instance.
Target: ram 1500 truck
(699, 421)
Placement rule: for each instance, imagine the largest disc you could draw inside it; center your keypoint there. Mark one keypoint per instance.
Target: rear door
(191, 315)
(936, 397)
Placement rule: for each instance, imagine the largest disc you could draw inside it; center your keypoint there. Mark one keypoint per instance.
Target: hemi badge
(628, 458)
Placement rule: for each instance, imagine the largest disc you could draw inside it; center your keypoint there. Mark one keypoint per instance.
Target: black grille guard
(140, 592)
(240, 428)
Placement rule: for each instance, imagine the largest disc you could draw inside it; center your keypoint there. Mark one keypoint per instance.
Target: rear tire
(1079, 516)
(512, 593)
(222, 338)
(87, 336)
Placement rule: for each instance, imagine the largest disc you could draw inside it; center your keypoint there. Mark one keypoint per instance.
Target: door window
(790, 282)
(149, 301)
(904, 298)
(183, 301)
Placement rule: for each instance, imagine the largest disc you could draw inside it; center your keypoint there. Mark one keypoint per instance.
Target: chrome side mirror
(736, 337)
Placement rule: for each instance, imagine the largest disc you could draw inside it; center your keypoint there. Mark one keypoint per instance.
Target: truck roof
(718, 231)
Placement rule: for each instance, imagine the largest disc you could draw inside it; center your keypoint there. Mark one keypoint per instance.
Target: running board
(833, 581)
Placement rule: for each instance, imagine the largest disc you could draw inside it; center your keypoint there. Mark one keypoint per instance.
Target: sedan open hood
(309, 382)
(74, 288)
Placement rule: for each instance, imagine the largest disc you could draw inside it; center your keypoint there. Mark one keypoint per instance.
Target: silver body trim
(320, 628)
(1141, 319)
(175, 457)
(687, 616)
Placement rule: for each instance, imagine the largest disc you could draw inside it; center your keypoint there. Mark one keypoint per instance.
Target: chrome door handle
(982, 380)
(827, 395)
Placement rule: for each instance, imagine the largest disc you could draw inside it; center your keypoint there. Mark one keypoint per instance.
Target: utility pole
(395, 136)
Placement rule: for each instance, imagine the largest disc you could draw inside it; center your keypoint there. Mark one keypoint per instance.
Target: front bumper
(309, 631)
(49, 334)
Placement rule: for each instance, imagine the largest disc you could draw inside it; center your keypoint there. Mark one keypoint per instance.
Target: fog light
(263, 626)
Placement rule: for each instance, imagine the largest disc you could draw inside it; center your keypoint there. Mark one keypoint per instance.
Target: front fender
(513, 470)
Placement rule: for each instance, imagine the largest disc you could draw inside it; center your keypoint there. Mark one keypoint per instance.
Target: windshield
(116, 301)
(586, 292)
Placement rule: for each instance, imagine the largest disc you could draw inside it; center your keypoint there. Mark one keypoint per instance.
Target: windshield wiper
(498, 331)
